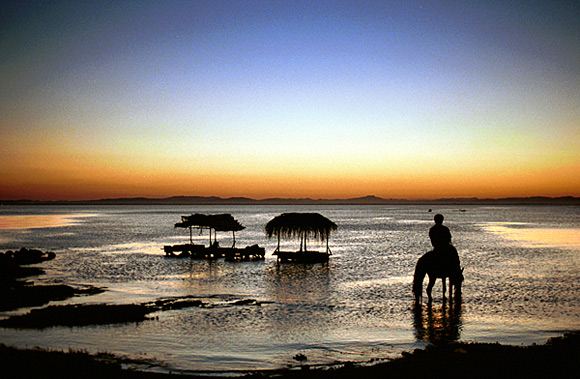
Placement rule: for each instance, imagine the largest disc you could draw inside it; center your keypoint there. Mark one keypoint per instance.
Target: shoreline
(558, 357)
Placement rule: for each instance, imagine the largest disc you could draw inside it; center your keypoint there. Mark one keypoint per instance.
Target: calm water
(522, 275)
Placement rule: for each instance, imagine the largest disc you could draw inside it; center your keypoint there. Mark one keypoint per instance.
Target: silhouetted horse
(439, 263)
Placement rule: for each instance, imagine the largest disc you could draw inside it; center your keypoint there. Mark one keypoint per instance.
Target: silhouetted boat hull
(302, 256)
(249, 253)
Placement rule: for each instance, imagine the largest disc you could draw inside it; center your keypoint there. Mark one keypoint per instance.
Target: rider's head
(439, 219)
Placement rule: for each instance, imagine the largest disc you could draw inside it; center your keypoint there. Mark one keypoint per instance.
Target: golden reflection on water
(438, 324)
(39, 221)
(538, 237)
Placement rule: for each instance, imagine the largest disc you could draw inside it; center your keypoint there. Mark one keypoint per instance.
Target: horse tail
(420, 272)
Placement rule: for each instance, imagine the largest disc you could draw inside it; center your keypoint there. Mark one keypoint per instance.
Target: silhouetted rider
(441, 240)
(439, 233)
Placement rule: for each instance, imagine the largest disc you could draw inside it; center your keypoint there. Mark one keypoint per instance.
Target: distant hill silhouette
(366, 200)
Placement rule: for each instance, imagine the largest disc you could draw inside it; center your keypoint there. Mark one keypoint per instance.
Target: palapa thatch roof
(221, 222)
(290, 225)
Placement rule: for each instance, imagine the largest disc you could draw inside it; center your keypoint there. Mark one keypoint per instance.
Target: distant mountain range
(366, 200)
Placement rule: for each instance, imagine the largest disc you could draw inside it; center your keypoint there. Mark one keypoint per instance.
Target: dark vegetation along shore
(558, 358)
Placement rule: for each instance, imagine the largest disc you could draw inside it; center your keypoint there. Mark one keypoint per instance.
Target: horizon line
(242, 200)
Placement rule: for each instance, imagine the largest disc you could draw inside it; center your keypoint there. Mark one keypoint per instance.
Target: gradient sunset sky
(320, 99)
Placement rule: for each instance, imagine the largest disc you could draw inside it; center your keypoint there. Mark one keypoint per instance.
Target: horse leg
(418, 291)
(418, 279)
(450, 290)
(430, 287)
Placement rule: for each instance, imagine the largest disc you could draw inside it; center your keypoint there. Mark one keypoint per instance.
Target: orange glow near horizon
(63, 170)
(77, 183)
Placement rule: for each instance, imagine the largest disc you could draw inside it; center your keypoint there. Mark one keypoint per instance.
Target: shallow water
(522, 269)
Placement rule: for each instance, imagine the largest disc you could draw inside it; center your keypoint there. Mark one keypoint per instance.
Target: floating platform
(186, 250)
(249, 253)
(302, 256)
(194, 251)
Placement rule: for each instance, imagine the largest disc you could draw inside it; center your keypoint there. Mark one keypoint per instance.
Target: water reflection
(534, 236)
(299, 283)
(39, 221)
(438, 324)
(206, 277)
(300, 292)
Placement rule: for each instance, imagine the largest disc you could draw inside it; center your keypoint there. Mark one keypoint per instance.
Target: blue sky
(278, 98)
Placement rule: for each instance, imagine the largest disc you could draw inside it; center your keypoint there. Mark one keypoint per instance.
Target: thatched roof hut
(219, 223)
(303, 225)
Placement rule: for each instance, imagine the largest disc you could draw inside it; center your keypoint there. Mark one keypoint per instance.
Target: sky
(318, 99)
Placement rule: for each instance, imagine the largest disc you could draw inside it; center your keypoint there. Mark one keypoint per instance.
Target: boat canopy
(290, 225)
(219, 223)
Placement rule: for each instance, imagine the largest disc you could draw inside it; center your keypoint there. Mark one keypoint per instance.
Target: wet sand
(558, 358)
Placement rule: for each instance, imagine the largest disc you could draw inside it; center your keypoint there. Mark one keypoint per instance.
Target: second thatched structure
(303, 226)
(218, 223)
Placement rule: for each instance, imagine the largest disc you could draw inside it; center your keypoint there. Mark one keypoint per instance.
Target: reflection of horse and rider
(441, 262)
(438, 324)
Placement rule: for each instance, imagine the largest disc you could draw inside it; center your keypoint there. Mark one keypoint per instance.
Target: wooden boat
(213, 223)
(302, 225)
(306, 256)
(249, 253)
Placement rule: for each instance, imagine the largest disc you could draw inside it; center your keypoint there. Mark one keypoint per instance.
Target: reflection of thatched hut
(217, 223)
(304, 226)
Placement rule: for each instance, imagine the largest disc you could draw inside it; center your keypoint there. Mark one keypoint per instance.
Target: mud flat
(17, 292)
